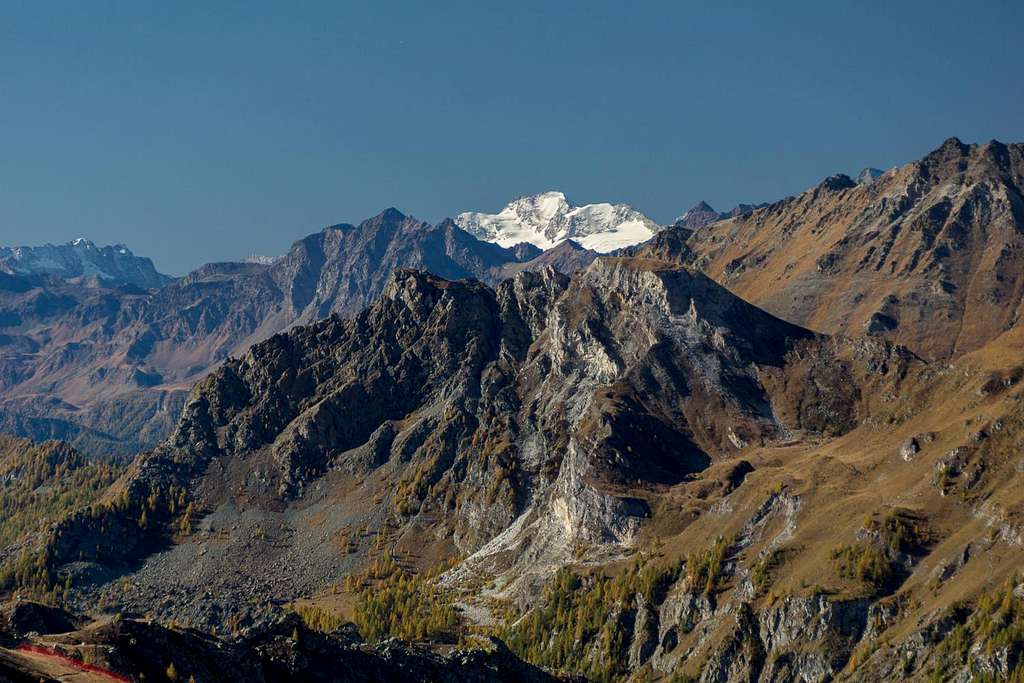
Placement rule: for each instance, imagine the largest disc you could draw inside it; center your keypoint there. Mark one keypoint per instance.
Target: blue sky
(205, 131)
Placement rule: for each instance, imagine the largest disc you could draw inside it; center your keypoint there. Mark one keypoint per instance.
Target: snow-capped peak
(548, 218)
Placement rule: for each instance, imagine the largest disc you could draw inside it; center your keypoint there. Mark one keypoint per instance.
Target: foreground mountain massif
(623, 471)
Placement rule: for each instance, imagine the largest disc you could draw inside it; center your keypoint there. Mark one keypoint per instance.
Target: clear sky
(199, 131)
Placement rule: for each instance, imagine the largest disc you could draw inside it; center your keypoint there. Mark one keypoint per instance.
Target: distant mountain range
(701, 214)
(98, 348)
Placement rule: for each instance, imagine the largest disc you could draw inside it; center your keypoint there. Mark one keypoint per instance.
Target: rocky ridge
(107, 366)
(628, 473)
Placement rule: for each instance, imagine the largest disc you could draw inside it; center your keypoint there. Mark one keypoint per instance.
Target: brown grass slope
(929, 255)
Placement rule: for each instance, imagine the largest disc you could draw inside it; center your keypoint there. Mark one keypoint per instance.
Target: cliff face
(824, 559)
(928, 254)
(644, 375)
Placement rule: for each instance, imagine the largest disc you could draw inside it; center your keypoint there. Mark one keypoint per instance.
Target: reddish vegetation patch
(72, 662)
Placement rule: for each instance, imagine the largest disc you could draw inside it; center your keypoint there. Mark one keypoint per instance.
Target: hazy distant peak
(82, 258)
(868, 176)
